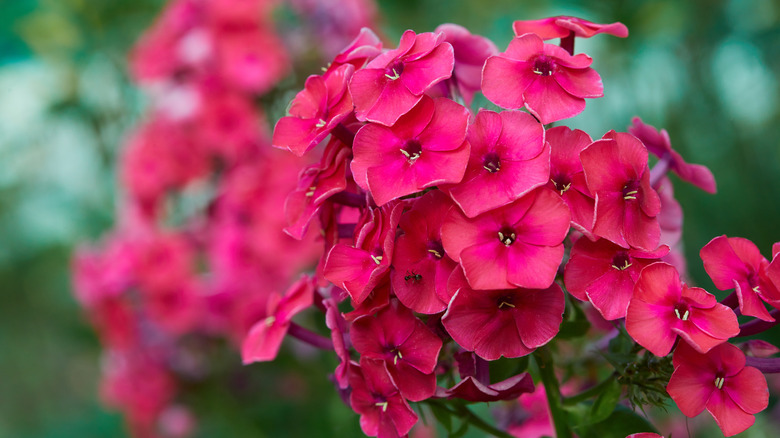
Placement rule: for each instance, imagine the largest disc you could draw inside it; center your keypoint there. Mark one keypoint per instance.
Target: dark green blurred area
(707, 71)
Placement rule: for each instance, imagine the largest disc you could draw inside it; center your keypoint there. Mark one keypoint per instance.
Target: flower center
(436, 249)
(412, 150)
(562, 183)
(682, 312)
(491, 162)
(394, 71)
(507, 236)
(631, 190)
(719, 381)
(621, 261)
(544, 66)
(505, 302)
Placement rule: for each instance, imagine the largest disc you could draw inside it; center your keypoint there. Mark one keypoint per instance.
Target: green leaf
(621, 423)
(573, 329)
(443, 416)
(504, 368)
(606, 402)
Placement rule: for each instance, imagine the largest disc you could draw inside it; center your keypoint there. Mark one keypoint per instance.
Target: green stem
(550, 382)
(588, 393)
(465, 414)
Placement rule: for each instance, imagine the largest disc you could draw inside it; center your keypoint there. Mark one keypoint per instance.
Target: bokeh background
(706, 70)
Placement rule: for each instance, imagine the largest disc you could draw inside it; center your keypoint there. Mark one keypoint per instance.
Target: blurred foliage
(706, 70)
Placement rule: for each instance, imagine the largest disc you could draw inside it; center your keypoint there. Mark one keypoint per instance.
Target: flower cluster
(460, 235)
(199, 254)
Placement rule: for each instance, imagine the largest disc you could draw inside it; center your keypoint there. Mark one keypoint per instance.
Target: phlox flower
(420, 265)
(265, 337)
(384, 413)
(604, 274)
(426, 147)
(548, 81)
(566, 175)
(517, 245)
(508, 159)
(393, 82)
(735, 262)
(316, 110)
(720, 382)
(626, 206)
(365, 47)
(470, 51)
(663, 308)
(503, 322)
(473, 390)
(659, 144)
(561, 26)
(409, 349)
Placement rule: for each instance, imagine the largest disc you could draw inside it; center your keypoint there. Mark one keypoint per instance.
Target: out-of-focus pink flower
(663, 308)
(659, 144)
(544, 78)
(720, 382)
(393, 82)
(471, 51)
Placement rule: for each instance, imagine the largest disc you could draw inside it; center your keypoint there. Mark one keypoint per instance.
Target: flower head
(561, 26)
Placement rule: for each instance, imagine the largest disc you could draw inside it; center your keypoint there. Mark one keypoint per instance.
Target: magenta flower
(720, 382)
(508, 159)
(394, 82)
(604, 274)
(426, 147)
(544, 78)
(470, 51)
(626, 206)
(316, 110)
(567, 177)
(735, 262)
(561, 26)
(409, 348)
(265, 337)
(506, 322)
(365, 47)
(663, 308)
(383, 411)
(338, 327)
(360, 267)
(659, 144)
(518, 245)
(316, 184)
(473, 390)
(420, 265)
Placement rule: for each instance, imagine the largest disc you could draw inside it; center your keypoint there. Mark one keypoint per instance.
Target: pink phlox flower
(544, 78)
(358, 269)
(626, 206)
(365, 47)
(518, 245)
(567, 177)
(471, 51)
(504, 322)
(316, 110)
(720, 382)
(735, 262)
(670, 218)
(534, 416)
(664, 308)
(316, 184)
(410, 350)
(394, 82)
(562, 26)
(473, 390)
(659, 144)
(377, 299)
(421, 268)
(335, 321)
(758, 348)
(333, 23)
(426, 147)
(604, 274)
(384, 413)
(508, 159)
(250, 58)
(265, 337)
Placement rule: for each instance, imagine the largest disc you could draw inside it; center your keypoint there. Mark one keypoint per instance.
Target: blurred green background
(706, 70)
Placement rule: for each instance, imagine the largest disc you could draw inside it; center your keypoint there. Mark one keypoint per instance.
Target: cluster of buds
(456, 236)
(199, 249)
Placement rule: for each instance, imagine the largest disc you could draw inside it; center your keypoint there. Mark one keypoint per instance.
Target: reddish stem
(659, 170)
(758, 326)
(767, 365)
(309, 337)
(567, 43)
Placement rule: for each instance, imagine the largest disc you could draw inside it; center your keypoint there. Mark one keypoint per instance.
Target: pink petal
(531, 266)
(505, 80)
(730, 417)
(611, 293)
(539, 315)
(547, 100)
(421, 74)
(580, 82)
(748, 389)
(524, 46)
(690, 388)
(485, 265)
(650, 326)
